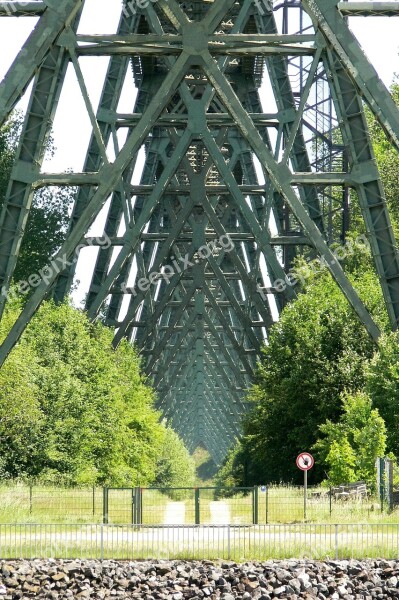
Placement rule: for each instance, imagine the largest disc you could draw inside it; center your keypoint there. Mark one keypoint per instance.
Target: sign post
(305, 462)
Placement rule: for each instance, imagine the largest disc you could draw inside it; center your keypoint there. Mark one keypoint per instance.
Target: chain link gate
(122, 505)
(181, 506)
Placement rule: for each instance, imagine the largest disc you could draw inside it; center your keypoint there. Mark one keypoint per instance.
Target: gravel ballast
(178, 580)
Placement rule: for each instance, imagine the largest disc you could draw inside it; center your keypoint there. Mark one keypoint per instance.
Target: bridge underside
(251, 121)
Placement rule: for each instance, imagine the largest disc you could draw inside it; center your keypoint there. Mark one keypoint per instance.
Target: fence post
(267, 504)
(94, 500)
(102, 541)
(228, 542)
(139, 506)
(330, 500)
(255, 505)
(105, 506)
(336, 543)
(380, 480)
(197, 507)
(389, 483)
(30, 499)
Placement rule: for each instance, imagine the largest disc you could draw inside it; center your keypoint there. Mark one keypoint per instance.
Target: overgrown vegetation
(76, 411)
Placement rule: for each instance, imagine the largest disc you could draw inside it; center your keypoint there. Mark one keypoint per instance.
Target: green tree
(21, 417)
(341, 461)
(317, 350)
(100, 420)
(76, 410)
(383, 386)
(175, 466)
(232, 472)
(351, 446)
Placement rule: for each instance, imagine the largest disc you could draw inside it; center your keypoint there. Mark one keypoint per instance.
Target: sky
(377, 35)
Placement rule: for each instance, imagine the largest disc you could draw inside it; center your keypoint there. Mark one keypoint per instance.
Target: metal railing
(239, 543)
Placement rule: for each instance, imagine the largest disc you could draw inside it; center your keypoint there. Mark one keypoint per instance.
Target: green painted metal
(15, 211)
(42, 39)
(197, 309)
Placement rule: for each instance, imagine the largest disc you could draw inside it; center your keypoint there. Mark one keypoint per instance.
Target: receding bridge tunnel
(220, 141)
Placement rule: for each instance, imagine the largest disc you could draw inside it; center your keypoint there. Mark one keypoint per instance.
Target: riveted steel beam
(53, 21)
(336, 31)
(22, 9)
(367, 9)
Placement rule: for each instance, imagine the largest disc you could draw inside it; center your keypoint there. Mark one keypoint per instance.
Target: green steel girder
(156, 156)
(199, 114)
(22, 9)
(280, 175)
(262, 236)
(328, 19)
(370, 193)
(235, 259)
(366, 9)
(279, 79)
(30, 154)
(162, 46)
(188, 360)
(109, 101)
(230, 363)
(186, 410)
(109, 176)
(132, 236)
(169, 357)
(241, 316)
(118, 332)
(55, 18)
(241, 351)
(162, 254)
(157, 351)
(223, 409)
(204, 428)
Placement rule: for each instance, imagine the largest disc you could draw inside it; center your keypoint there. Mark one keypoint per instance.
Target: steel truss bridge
(251, 115)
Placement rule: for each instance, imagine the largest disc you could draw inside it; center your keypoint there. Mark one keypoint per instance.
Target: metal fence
(50, 503)
(181, 506)
(239, 543)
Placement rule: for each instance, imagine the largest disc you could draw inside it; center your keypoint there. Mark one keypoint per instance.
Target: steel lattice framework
(228, 194)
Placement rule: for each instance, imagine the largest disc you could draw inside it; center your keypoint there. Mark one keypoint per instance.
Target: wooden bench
(352, 491)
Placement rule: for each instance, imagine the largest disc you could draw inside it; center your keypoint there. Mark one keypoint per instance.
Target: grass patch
(262, 542)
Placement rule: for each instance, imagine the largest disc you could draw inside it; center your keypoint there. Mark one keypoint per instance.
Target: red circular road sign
(304, 461)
